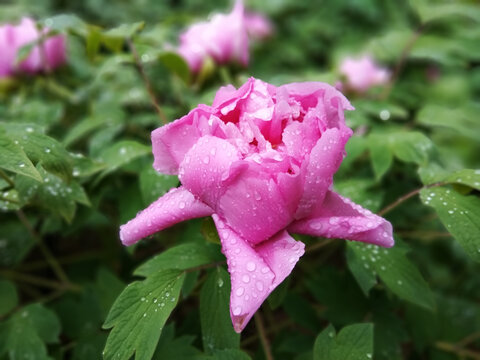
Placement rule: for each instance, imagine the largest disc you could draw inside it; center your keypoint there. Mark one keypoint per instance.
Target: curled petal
(207, 168)
(177, 205)
(254, 272)
(325, 158)
(171, 142)
(339, 217)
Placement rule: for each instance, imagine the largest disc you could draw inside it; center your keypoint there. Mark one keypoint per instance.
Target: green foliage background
(75, 161)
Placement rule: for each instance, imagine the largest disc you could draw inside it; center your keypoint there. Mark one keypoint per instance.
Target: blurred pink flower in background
(363, 73)
(261, 162)
(14, 37)
(258, 26)
(224, 38)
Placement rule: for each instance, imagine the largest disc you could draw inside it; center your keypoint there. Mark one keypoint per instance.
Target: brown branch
(57, 269)
(401, 61)
(407, 196)
(148, 85)
(460, 351)
(263, 336)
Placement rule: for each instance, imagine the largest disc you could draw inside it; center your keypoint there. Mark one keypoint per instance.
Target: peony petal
(254, 272)
(339, 217)
(206, 169)
(254, 205)
(171, 142)
(281, 253)
(175, 206)
(325, 158)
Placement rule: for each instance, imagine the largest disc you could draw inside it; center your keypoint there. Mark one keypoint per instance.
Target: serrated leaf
(139, 314)
(460, 214)
(54, 193)
(180, 257)
(14, 159)
(217, 328)
(353, 342)
(41, 148)
(15, 242)
(37, 325)
(122, 153)
(153, 184)
(366, 279)
(395, 270)
(467, 177)
(9, 297)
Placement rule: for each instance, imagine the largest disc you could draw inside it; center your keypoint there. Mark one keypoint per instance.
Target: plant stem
(35, 280)
(407, 196)
(52, 261)
(148, 85)
(319, 245)
(6, 178)
(401, 61)
(263, 336)
(460, 351)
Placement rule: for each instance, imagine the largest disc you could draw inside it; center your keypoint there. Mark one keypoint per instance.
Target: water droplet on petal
(251, 266)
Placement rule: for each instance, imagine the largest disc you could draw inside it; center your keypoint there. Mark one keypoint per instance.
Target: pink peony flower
(260, 161)
(224, 38)
(363, 73)
(258, 26)
(14, 37)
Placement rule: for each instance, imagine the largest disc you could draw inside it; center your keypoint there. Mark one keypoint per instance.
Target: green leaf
(380, 154)
(122, 153)
(180, 257)
(15, 242)
(229, 354)
(408, 146)
(108, 287)
(176, 64)
(14, 159)
(9, 298)
(353, 342)
(209, 231)
(139, 314)
(429, 11)
(359, 190)
(153, 184)
(41, 148)
(179, 348)
(411, 146)
(125, 31)
(324, 344)
(366, 279)
(393, 267)
(462, 119)
(37, 326)
(459, 213)
(217, 328)
(82, 128)
(54, 193)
